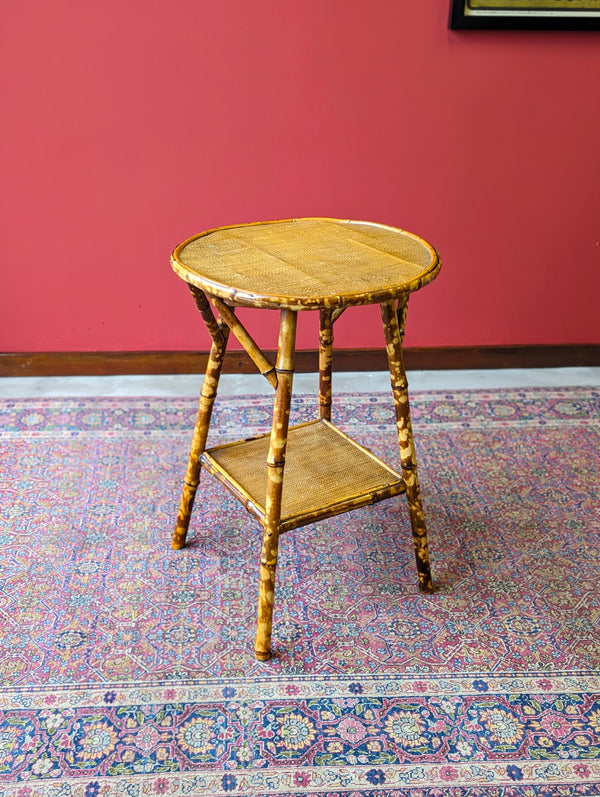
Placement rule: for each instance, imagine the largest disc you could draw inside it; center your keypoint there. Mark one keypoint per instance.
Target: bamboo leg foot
(262, 656)
(192, 476)
(183, 518)
(419, 529)
(393, 324)
(266, 592)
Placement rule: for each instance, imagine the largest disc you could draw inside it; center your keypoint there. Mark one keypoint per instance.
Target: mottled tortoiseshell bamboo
(325, 358)
(275, 468)
(215, 329)
(220, 334)
(266, 368)
(393, 325)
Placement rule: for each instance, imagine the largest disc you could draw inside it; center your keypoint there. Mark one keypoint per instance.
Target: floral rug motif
(126, 668)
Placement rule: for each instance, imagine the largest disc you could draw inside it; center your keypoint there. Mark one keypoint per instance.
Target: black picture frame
(508, 17)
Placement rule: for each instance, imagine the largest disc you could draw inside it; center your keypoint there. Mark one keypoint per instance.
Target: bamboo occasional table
(291, 266)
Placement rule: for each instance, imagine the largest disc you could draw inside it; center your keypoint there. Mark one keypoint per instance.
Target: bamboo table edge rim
(393, 302)
(275, 302)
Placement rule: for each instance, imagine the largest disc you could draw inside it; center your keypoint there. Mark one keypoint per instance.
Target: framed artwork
(526, 14)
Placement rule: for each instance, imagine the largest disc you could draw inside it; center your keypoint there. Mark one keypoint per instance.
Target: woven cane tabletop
(306, 263)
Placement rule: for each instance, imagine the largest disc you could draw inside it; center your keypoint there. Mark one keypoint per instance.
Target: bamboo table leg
(275, 468)
(393, 325)
(325, 355)
(220, 334)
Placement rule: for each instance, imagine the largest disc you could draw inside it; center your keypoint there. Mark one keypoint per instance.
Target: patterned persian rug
(126, 668)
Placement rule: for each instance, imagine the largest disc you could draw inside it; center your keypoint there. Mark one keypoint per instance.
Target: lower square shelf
(326, 473)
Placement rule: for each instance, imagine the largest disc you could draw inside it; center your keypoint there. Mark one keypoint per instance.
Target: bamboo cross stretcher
(305, 264)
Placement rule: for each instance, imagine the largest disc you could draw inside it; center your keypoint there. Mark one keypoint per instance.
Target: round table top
(304, 264)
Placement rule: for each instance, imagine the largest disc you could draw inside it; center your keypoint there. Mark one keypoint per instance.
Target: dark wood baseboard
(95, 363)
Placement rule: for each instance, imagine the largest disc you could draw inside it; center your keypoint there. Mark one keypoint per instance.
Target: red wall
(132, 124)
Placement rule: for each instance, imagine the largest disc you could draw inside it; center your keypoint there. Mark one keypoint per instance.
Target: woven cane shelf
(326, 473)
